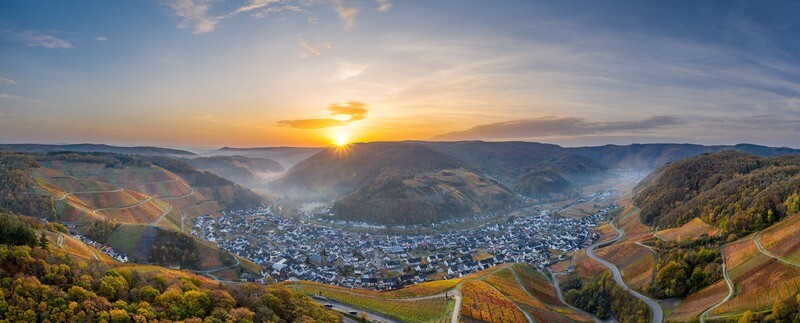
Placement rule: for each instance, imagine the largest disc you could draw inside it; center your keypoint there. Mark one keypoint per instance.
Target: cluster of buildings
(118, 256)
(295, 249)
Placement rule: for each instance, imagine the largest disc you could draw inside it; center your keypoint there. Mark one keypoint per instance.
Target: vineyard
(765, 281)
(483, 302)
(587, 267)
(689, 231)
(696, 303)
(101, 200)
(783, 238)
(423, 289)
(629, 222)
(636, 263)
(537, 284)
(427, 310)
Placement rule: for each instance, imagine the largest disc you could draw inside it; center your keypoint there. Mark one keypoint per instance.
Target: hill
(45, 282)
(248, 171)
(141, 150)
(652, 156)
(734, 191)
(395, 179)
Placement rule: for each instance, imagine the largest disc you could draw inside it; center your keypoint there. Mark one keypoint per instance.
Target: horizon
(205, 148)
(255, 73)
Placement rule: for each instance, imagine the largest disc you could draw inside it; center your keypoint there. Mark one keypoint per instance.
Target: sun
(340, 140)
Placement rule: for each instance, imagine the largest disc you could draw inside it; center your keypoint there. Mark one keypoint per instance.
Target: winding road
(655, 308)
(730, 290)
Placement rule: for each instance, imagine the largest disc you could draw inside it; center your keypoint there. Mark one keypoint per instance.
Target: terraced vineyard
(783, 239)
(634, 261)
(689, 231)
(482, 302)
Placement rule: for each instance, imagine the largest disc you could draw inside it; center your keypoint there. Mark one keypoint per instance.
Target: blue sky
(263, 73)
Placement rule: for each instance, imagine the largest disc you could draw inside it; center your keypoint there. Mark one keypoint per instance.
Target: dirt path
(757, 241)
(123, 207)
(87, 192)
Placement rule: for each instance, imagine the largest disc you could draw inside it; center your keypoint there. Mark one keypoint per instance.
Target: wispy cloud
(346, 11)
(384, 5)
(349, 70)
(553, 126)
(38, 39)
(5, 80)
(101, 38)
(313, 50)
(194, 14)
(342, 114)
(11, 97)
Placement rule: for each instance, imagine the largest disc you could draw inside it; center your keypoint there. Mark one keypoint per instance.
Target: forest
(736, 192)
(41, 284)
(601, 296)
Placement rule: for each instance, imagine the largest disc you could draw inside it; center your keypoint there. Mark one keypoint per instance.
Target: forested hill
(142, 150)
(735, 191)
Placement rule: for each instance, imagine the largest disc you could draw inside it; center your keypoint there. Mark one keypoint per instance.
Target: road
(161, 217)
(658, 313)
(346, 309)
(561, 298)
(757, 241)
(60, 240)
(730, 289)
(87, 192)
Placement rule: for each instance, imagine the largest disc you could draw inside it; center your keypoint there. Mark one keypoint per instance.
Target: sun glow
(340, 139)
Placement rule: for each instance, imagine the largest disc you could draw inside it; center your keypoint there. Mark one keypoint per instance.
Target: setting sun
(340, 140)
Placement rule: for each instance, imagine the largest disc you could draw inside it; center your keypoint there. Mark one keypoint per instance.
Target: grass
(481, 256)
(428, 310)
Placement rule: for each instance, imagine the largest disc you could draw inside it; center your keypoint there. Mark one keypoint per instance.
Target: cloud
(554, 126)
(313, 50)
(10, 97)
(253, 5)
(101, 38)
(352, 111)
(347, 13)
(348, 70)
(5, 80)
(194, 13)
(37, 39)
(384, 5)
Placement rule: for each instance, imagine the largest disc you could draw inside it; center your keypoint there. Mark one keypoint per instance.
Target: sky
(250, 73)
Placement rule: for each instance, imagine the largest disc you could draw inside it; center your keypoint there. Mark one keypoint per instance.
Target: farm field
(696, 303)
(167, 188)
(505, 282)
(783, 239)
(101, 200)
(207, 207)
(636, 263)
(629, 222)
(482, 302)
(427, 310)
(759, 280)
(585, 266)
(142, 213)
(689, 231)
(606, 232)
(537, 284)
(423, 289)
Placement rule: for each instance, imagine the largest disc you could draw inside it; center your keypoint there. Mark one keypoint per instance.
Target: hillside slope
(734, 191)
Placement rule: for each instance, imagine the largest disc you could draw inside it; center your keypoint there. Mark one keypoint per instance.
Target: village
(299, 250)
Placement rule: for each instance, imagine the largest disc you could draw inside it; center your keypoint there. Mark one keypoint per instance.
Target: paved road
(658, 313)
(161, 217)
(730, 290)
(343, 308)
(176, 197)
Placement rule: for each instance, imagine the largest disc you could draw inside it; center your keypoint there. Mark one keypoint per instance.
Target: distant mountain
(249, 171)
(286, 156)
(367, 175)
(143, 150)
(651, 156)
(735, 191)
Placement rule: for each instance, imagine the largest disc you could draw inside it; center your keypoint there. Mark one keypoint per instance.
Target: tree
(747, 317)
(43, 241)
